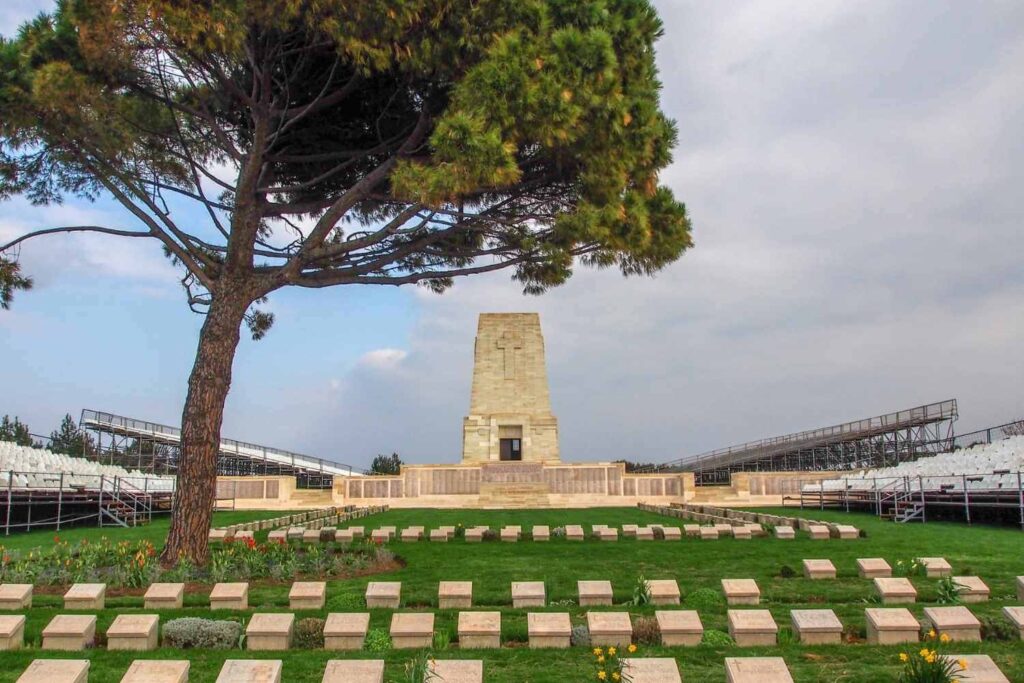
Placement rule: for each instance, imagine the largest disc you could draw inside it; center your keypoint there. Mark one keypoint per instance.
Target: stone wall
(514, 485)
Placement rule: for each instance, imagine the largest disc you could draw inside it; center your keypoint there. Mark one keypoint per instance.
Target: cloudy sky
(853, 170)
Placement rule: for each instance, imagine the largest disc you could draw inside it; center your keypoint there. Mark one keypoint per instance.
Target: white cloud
(382, 359)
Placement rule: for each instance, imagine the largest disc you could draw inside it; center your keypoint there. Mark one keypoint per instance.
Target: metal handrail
(229, 446)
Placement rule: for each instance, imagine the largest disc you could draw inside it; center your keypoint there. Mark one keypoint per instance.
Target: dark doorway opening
(511, 449)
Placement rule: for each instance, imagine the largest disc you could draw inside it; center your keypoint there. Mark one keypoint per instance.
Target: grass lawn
(997, 555)
(156, 531)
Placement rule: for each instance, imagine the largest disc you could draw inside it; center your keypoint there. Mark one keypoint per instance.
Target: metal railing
(31, 489)
(172, 435)
(762, 448)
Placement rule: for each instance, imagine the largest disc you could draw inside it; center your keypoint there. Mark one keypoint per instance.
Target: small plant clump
(641, 591)
(646, 631)
(705, 599)
(418, 670)
(908, 568)
(716, 638)
(207, 634)
(558, 532)
(608, 664)
(579, 636)
(309, 633)
(949, 591)
(489, 535)
(378, 640)
(786, 572)
(993, 628)
(929, 665)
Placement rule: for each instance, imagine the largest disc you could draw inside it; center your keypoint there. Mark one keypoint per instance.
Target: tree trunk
(200, 428)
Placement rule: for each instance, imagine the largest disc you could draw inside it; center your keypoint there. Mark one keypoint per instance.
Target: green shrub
(580, 636)
(378, 640)
(705, 599)
(994, 628)
(949, 591)
(442, 639)
(646, 631)
(716, 638)
(207, 634)
(489, 535)
(641, 591)
(309, 633)
(786, 572)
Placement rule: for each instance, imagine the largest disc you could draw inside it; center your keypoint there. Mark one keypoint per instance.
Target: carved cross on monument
(509, 342)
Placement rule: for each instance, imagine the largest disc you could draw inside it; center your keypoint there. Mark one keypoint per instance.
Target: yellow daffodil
(931, 633)
(923, 652)
(962, 663)
(631, 648)
(601, 675)
(903, 657)
(600, 660)
(944, 638)
(611, 651)
(615, 676)
(598, 651)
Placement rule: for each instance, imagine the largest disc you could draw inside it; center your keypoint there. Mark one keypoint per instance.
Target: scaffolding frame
(155, 448)
(879, 441)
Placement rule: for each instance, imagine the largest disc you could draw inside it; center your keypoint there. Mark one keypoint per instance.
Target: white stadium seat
(37, 468)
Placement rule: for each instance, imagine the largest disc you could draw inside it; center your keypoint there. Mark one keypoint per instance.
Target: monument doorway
(511, 449)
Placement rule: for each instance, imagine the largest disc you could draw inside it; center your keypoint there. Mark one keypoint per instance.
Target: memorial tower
(510, 408)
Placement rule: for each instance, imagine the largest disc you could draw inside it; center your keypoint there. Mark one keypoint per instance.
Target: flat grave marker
(750, 627)
(610, 628)
(86, 596)
(593, 593)
(980, 669)
(873, 568)
(455, 594)
(56, 671)
(354, 671)
(384, 594)
(250, 671)
(936, 567)
(957, 622)
(972, 589)
(664, 591)
(307, 595)
(346, 630)
(164, 596)
(895, 590)
(133, 632)
(819, 569)
(741, 591)
(230, 596)
(157, 671)
(15, 596)
(816, 626)
(412, 630)
(12, 631)
(651, 670)
(527, 594)
(479, 630)
(457, 670)
(548, 629)
(891, 625)
(757, 670)
(679, 627)
(70, 632)
(270, 631)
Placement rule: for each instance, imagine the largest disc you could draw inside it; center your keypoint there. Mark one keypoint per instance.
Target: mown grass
(997, 555)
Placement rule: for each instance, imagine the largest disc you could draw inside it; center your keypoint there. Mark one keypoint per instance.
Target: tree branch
(76, 228)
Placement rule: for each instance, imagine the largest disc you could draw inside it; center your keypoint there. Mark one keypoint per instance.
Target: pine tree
(16, 431)
(381, 142)
(70, 439)
(386, 464)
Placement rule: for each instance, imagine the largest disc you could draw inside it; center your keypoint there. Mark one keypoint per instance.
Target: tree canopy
(313, 143)
(386, 464)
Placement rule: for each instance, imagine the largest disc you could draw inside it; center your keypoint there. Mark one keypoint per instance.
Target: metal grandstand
(151, 447)
(872, 442)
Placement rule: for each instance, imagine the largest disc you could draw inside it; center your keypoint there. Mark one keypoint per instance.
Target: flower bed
(133, 564)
